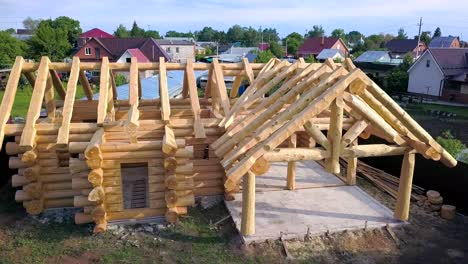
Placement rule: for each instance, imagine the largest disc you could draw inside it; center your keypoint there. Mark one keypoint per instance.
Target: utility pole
(419, 37)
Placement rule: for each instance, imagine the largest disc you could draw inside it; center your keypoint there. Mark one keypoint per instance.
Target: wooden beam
(198, 127)
(402, 206)
(9, 95)
(314, 132)
(133, 114)
(29, 133)
(133, 84)
(291, 176)
(85, 84)
(57, 84)
(221, 90)
(31, 78)
(169, 143)
(248, 205)
(237, 83)
(209, 82)
(103, 92)
(49, 98)
(163, 92)
(64, 131)
(296, 154)
(353, 132)
(318, 105)
(114, 87)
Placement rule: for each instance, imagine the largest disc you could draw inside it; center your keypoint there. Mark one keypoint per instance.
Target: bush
(310, 59)
(450, 143)
(264, 56)
(120, 80)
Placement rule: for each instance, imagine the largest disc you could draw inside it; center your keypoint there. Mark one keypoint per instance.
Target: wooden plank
(133, 84)
(209, 82)
(9, 95)
(237, 83)
(67, 112)
(86, 86)
(163, 92)
(104, 92)
(57, 84)
(221, 87)
(29, 133)
(352, 167)
(194, 103)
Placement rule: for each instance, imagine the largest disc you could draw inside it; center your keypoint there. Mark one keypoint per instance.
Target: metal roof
(374, 56)
(441, 42)
(329, 53)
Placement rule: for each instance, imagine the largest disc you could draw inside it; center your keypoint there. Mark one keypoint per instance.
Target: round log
(82, 201)
(11, 148)
(261, 166)
(16, 163)
(448, 212)
(100, 227)
(81, 218)
(95, 177)
(97, 195)
(80, 183)
(18, 180)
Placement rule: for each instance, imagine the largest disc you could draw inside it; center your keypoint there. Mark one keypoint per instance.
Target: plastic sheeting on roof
(150, 86)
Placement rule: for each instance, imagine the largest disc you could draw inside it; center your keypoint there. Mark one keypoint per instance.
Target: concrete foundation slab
(294, 214)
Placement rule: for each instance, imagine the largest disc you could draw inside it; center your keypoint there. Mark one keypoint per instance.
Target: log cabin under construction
(140, 158)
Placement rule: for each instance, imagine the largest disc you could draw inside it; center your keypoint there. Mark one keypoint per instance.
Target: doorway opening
(135, 191)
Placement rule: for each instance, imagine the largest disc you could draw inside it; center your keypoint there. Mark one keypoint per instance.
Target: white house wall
(185, 51)
(423, 79)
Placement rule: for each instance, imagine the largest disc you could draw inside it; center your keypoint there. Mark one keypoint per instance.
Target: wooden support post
(86, 86)
(31, 78)
(334, 135)
(198, 127)
(352, 167)
(221, 87)
(402, 206)
(163, 92)
(9, 95)
(248, 205)
(64, 131)
(291, 179)
(104, 92)
(29, 132)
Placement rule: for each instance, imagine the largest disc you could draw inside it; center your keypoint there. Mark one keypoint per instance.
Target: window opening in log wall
(135, 189)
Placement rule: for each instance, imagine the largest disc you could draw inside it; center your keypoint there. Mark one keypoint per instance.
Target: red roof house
(93, 33)
(113, 48)
(134, 53)
(315, 45)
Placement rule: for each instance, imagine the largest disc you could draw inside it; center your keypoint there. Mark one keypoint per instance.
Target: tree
(437, 33)
(206, 34)
(10, 31)
(354, 36)
(264, 56)
(121, 32)
(397, 79)
(31, 24)
(173, 33)
(310, 59)
(49, 41)
(339, 33)
(374, 42)
(317, 31)
(425, 37)
(270, 34)
(292, 42)
(70, 26)
(10, 47)
(136, 31)
(251, 37)
(235, 33)
(276, 49)
(450, 143)
(152, 34)
(402, 34)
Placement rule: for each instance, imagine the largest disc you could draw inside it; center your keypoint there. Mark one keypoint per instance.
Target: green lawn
(23, 97)
(462, 112)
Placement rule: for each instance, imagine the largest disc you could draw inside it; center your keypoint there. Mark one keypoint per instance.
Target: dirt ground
(425, 239)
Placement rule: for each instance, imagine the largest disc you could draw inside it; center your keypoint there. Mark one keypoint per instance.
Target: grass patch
(461, 112)
(24, 94)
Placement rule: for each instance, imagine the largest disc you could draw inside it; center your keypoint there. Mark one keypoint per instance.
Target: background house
(444, 42)
(23, 34)
(126, 58)
(441, 73)
(376, 64)
(93, 33)
(398, 48)
(313, 46)
(334, 54)
(178, 50)
(96, 48)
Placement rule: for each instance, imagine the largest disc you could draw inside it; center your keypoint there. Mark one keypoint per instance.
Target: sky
(366, 16)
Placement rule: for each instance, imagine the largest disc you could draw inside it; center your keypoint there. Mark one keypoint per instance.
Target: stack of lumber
(384, 181)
